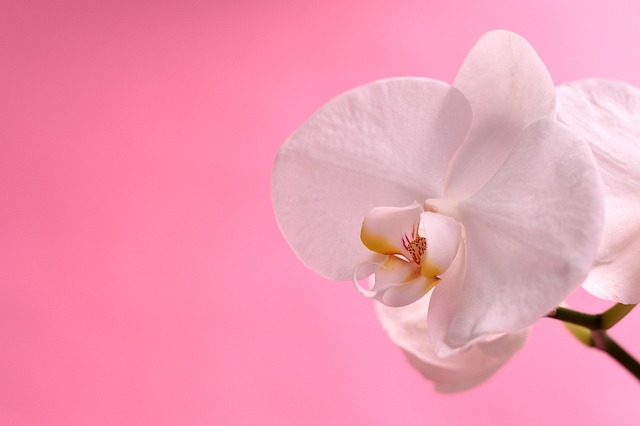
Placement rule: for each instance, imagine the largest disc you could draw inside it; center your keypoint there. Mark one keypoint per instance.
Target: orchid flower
(607, 113)
(472, 193)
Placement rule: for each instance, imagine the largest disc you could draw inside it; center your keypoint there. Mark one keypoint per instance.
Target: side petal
(408, 328)
(387, 143)
(509, 88)
(532, 234)
(397, 283)
(607, 114)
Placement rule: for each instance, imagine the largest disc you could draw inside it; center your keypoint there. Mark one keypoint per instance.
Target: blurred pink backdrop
(143, 279)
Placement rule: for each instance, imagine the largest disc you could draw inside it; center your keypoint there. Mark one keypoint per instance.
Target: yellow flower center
(416, 247)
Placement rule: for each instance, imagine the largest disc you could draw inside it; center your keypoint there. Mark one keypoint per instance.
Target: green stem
(603, 321)
(592, 331)
(604, 342)
(592, 322)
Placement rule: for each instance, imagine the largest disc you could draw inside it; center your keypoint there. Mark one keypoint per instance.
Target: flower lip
(430, 242)
(393, 231)
(397, 282)
(416, 246)
(445, 237)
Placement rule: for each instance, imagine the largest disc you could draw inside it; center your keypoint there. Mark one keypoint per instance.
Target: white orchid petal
(531, 234)
(445, 299)
(509, 88)
(443, 240)
(607, 114)
(387, 230)
(366, 148)
(408, 327)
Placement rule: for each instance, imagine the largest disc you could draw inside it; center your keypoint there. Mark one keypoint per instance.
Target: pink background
(143, 280)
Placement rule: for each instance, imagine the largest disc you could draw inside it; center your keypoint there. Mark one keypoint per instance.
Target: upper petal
(509, 88)
(387, 143)
(408, 328)
(531, 235)
(607, 114)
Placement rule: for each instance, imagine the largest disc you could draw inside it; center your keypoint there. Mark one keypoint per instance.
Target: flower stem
(592, 322)
(604, 342)
(592, 331)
